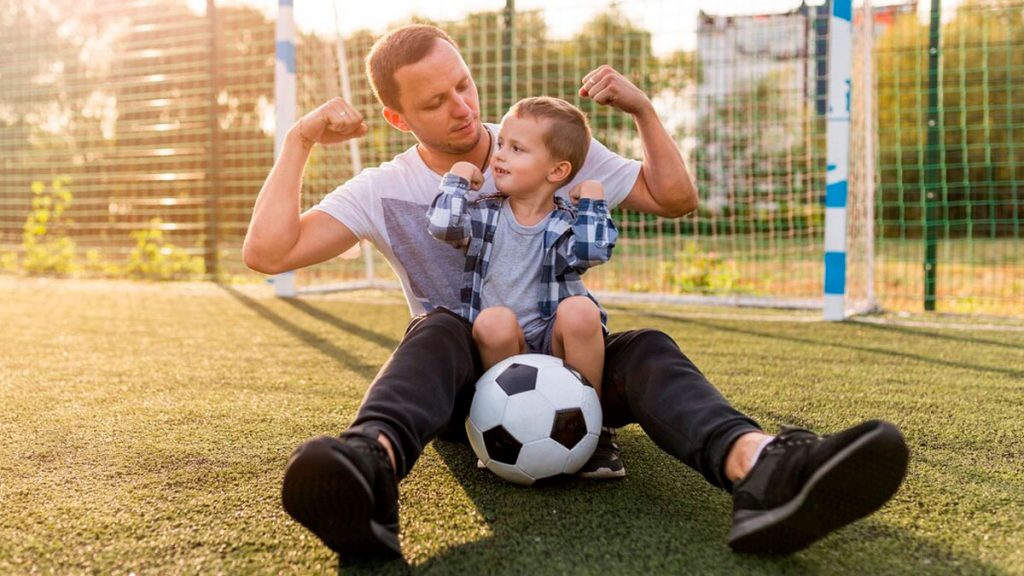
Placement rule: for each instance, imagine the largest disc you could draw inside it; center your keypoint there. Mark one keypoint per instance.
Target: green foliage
(48, 250)
(980, 111)
(9, 262)
(47, 247)
(696, 271)
(96, 265)
(154, 258)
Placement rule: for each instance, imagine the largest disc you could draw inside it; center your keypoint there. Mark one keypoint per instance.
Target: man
(788, 491)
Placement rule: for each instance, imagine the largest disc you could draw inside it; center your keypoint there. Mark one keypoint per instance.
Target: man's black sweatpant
(427, 384)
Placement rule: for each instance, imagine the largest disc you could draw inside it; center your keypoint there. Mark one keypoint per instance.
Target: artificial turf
(144, 428)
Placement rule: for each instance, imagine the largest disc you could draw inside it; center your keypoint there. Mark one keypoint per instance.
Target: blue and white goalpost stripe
(284, 106)
(840, 64)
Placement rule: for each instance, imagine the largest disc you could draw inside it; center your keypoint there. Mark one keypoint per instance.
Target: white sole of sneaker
(602, 474)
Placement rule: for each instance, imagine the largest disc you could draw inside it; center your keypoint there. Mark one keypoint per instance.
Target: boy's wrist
(591, 189)
(453, 178)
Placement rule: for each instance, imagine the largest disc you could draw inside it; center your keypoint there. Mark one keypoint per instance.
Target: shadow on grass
(321, 344)
(909, 331)
(1012, 372)
(375, 567)
(661, 519)
(382, 340)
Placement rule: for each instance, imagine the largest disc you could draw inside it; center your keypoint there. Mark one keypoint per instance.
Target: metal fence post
(210, 254)
(933, 168)
(507, 54)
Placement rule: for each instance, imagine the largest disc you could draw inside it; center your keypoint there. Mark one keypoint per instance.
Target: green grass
(145, 428)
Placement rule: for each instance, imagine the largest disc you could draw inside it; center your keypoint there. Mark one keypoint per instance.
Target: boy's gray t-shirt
(388, 205)
(513, 272)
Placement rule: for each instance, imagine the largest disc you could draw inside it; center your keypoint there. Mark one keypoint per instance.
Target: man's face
(522, 163)
(439, 101)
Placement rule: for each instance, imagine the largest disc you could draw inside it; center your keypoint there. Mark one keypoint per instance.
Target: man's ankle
(741, 455)
(386, 443)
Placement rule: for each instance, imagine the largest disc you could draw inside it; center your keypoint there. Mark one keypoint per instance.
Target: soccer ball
(533, 417)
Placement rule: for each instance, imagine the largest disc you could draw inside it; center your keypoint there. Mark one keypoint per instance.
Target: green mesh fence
(978, 185)
(134, 137)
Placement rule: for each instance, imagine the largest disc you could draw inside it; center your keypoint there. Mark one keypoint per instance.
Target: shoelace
(792, 436)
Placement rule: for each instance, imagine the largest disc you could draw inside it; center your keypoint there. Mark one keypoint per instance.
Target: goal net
(743, 96)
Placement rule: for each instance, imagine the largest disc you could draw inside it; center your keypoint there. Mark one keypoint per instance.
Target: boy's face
(522, 164)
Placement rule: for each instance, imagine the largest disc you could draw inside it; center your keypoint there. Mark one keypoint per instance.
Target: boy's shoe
(803, 486)
(605, 463)
(344, 490)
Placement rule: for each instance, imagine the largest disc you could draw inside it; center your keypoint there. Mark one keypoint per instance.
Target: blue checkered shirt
(575, 239)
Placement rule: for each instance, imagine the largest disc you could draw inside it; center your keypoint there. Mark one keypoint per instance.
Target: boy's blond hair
(568, 134)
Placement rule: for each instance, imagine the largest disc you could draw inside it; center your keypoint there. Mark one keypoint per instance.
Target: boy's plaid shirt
(575, 239)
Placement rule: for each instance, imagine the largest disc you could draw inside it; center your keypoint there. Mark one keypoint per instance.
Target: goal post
(840, 59)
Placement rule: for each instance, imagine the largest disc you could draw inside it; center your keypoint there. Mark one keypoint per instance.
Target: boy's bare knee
(495, 326)
(578, 314)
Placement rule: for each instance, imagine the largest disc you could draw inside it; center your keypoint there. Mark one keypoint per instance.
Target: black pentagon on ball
(569, 428)
(517, 378)
(501, 445)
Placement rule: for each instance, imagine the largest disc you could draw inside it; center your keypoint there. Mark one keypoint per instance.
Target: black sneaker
(344, 491)
(804, 486)
(605, 463)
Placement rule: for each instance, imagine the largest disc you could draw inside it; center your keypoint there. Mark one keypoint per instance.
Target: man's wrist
(295, 134)
(646, 112)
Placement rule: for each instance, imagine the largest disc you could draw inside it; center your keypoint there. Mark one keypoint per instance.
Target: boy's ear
(395, 118)
(560, 172)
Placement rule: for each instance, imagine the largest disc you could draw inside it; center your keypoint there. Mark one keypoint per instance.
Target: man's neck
(440, 162)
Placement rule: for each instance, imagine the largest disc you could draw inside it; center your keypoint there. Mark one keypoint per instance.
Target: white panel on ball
(509, 472)
(528, 417)
(488, 407)
(580, 453)
(476, 440)
(560, 391)
(543, 458)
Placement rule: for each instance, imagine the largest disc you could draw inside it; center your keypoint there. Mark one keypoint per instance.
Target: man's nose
(462, 108)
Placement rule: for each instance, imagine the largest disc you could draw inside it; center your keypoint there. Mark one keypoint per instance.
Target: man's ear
(560, 172)
(395, 118)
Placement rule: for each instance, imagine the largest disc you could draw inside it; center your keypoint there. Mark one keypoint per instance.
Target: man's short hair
(400, 47)
(568, 134)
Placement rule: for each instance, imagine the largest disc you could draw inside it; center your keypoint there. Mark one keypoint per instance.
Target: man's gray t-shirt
(387, 206)
(513, 272)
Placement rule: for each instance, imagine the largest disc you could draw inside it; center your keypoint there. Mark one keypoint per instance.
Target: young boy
(526, 248)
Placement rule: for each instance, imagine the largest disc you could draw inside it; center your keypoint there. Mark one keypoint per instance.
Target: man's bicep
(640, 198)
(321, 237)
